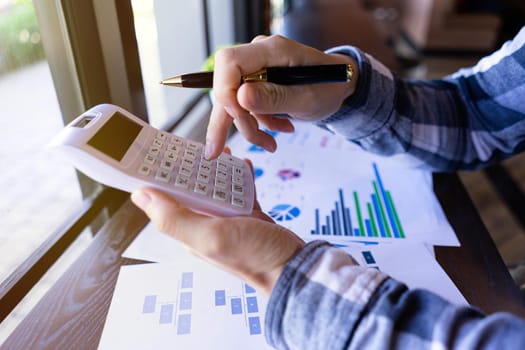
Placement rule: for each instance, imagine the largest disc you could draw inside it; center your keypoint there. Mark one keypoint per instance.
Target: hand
(253, 248)
(251, 104)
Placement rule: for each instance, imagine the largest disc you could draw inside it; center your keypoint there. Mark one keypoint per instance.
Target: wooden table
(72, 314)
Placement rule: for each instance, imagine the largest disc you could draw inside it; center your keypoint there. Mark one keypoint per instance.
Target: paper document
(188, 304)
(322, 187)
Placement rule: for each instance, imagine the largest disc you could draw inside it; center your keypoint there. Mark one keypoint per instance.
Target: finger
(249, 128)
(217, 132)
(259, 38)
(298, 101)
(274, 123)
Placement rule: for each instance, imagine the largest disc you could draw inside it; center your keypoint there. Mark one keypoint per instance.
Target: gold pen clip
(255, 77)
(349, 73)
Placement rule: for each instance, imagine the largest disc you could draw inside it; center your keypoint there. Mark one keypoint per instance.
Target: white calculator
(114, 147)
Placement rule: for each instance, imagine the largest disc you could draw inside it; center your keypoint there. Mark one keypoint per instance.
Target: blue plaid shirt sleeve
(324, 300)
(464, 121)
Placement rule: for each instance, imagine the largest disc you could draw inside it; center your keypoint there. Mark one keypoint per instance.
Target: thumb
(168, 216)
(268, 98)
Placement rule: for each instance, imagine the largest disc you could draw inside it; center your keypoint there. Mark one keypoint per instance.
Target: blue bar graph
(377, 218)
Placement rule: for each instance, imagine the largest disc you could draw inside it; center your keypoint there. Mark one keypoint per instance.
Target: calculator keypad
(180, 163)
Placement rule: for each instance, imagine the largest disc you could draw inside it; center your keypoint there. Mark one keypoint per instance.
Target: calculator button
(201, 188)
(188, 162)
(221, 174)
(231, 159)
(221, 165)
(162, 135)
(219, 194)
(158, 143)
(208, 163)
(237, 201)
(170, 155)
(237, 179)
(227, 157)
(194, 146)
(190, 154)
(220, 183)
(203, 177)
(174, 148)
(162, 175)
(154, 150)
(186, 171)
(144, 169)
(237, 171)
(177, 141)
(182, 181)
(204, 169)
(167, 164)
(238, 189)
(149, 159)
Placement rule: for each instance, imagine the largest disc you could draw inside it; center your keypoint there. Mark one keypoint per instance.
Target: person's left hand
(254, 248)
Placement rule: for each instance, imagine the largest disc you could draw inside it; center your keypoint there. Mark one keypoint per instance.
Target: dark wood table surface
(72, 314)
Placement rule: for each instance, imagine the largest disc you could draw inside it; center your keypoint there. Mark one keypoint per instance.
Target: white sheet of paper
(411, 264)
(187, 304)
(323, 187)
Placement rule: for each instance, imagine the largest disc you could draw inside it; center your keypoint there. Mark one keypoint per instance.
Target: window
(38, 190)
(174, 38)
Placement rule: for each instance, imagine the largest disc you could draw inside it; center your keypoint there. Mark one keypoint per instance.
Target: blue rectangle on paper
(369, 258)
(166, 313)
(184, 324)
(149, 304)
(187, 280)
(251, 304)
(236, 306)
(249, 289)
(185, 301)
(220, 297)
(255, 325)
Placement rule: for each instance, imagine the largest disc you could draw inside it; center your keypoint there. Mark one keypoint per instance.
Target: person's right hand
(250, 104)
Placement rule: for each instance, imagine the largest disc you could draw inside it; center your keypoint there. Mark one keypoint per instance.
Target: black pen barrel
(307, 74)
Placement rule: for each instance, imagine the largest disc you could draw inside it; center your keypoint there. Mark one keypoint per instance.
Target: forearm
(461, 122)
(324, 301)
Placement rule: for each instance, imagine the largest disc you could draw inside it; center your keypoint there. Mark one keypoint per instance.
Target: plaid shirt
(465, 121)
(323, 299)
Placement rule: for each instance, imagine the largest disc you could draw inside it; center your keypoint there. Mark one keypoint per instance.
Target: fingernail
(209, 149)
(270, 147)
(141, 199)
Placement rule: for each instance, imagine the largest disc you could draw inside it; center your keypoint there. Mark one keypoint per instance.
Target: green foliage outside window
(20, 42)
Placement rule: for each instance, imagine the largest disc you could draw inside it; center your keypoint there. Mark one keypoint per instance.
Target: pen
(298, 75)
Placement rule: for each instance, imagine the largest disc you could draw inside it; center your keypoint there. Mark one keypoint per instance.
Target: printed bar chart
(376, 218)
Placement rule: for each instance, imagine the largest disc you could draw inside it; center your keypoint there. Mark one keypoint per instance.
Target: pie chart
(284, 212)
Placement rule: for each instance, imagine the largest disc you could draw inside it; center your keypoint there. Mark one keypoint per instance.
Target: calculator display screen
(116, 136)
